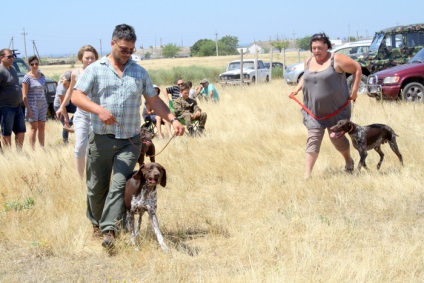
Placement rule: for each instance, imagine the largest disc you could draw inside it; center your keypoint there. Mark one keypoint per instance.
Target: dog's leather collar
(352, 127)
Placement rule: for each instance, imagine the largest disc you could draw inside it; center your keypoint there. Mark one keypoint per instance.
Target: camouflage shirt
(182, 106)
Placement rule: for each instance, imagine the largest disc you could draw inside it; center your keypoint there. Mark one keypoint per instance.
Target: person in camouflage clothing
(187, 109)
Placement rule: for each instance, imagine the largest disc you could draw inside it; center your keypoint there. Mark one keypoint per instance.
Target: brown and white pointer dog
(366, 138)
(147, 146)
(141, 196)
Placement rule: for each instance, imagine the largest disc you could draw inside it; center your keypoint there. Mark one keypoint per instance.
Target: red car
(404, 82)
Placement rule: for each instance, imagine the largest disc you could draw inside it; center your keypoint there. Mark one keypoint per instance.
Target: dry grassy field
(235, 208)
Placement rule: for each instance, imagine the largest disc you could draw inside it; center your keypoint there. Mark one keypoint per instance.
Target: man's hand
(106, 117)
(178, 128)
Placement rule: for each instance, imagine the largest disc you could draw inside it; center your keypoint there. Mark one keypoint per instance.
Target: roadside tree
(170, 50)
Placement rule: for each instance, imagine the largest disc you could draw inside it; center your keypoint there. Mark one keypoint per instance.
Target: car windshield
(378, 38)
(20, 66)
(234, 66)
(418, 58)
(248, 65)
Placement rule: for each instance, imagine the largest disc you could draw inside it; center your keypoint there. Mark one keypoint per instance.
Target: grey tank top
(324, 92)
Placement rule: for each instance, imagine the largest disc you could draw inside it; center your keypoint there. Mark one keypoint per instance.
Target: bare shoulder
(343, 62)
(75, 72)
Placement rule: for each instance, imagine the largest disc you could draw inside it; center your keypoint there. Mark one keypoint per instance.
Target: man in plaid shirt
(110, 89)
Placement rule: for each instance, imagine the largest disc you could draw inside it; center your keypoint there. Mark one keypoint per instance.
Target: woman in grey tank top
(325, 91)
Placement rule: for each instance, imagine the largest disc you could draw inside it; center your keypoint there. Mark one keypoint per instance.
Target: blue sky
(62, 27)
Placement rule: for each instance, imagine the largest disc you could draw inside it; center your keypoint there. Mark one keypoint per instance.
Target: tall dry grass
(235, 208)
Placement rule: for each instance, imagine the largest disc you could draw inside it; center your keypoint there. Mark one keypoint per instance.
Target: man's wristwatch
(174, 119)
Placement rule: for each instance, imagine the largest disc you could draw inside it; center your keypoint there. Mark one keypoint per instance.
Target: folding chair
(195, 123)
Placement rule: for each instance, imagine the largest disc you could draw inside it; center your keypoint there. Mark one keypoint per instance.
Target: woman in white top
(87, 55)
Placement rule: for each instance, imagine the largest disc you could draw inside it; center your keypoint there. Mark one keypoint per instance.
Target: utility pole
(35, 50)
(216, 43)
(101, 52)
(161, 51)
(11, 45)
(348, 38)
(24, 34)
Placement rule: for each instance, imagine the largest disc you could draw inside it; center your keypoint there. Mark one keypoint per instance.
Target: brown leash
(129, 138)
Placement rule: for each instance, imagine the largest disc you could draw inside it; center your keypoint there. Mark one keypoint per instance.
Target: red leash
(312, 114)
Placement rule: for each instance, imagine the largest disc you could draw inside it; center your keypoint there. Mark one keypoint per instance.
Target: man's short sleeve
(85, 80)
(149, 90)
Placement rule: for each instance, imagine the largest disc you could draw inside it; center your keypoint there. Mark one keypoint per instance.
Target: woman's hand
(294, 92)
(29, 113)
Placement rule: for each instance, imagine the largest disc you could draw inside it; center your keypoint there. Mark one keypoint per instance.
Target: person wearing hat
(207, 90)
(61, 90)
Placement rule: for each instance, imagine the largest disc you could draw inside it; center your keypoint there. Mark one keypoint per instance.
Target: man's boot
(201, 129)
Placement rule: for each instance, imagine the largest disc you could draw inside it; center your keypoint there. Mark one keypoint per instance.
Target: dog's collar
(352, 127)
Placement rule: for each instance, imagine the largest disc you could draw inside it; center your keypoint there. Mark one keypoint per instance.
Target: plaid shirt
(121, 96)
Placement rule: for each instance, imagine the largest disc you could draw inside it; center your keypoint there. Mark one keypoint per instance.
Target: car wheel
(252, 81)
(413, 92)
(267, 79)
(362, 84)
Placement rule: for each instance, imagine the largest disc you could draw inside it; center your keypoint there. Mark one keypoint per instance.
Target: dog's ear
(163, 178)
(139, 174)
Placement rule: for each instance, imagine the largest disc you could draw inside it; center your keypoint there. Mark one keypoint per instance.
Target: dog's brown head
(342, 127)
(152, 174)
(146, 136)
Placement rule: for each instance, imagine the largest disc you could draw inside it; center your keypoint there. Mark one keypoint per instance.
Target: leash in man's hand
(129, 138)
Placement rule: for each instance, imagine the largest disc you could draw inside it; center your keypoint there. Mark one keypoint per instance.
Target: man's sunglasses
(124, 50)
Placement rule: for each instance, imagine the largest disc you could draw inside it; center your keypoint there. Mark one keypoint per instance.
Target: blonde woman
(87, 55)
(33, 88)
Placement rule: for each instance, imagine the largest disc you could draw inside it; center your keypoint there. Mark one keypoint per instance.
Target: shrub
(191, 73)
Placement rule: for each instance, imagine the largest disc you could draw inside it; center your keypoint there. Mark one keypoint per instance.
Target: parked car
(390, 47)
(274, 65)
(251, 69)
(401, 82)
(294, 72)
(22, 68)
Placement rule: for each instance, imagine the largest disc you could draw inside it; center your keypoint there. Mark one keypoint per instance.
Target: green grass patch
(191, 73)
